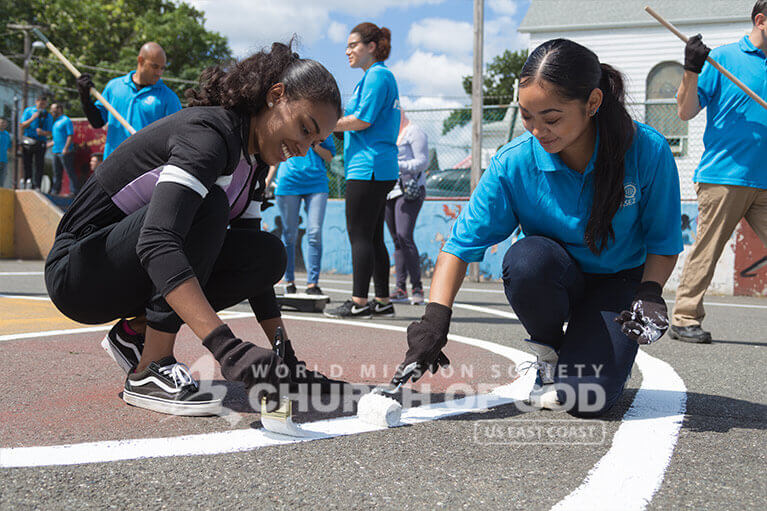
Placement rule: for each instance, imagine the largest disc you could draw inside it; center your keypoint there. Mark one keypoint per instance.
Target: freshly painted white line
(20, 273)
(53, 333)
(243, 440)
(632, 471)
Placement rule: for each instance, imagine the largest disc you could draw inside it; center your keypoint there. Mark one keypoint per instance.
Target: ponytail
(575, 71)
(370, 33)
(616, 132)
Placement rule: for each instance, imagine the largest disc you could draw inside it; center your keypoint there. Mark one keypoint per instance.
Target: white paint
(632, 471)
(244, 440)
(20, 273)
(26, 297)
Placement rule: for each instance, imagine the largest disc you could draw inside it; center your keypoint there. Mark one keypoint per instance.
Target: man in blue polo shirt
(63, 150)
(731, 179)
(5, 145)
(36, 126)
(140, 97)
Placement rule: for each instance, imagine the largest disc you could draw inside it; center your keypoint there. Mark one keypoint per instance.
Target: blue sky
(431, 39)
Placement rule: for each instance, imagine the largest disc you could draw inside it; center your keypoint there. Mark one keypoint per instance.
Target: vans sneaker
(350, 310)
(166, 386)
(124, 348)
(381, 309)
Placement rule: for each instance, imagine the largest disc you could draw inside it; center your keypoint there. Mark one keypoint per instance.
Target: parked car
(449, 183)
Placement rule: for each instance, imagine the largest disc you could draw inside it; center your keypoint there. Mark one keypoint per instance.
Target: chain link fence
(449, 132)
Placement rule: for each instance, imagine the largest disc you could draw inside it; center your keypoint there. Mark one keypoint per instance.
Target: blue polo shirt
(140, 107)
(529, 187)
(62, 128)
(735, 139)
(371, 154)
(304, 174)
(5, 144)
(44, 123)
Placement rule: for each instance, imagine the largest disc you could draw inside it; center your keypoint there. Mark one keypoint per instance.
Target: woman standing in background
(403, 205)
(371, 123)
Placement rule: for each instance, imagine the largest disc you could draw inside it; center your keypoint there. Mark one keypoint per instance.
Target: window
(660, 108)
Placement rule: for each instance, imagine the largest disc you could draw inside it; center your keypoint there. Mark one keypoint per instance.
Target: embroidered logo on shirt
(629, 194)
(149, 100)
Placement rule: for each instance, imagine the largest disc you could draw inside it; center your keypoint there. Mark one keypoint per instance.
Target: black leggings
(96, 277)
(365, 210)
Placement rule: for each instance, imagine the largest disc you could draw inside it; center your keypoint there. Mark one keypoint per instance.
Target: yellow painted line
(20, 316)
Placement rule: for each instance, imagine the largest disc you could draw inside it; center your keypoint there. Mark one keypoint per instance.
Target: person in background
(370, 157)
(730, 181)
(94, 162)
(593, 192)
(303, 178)
(63, 150)
(140, 97)
(5, 146)
(36, 126)
(402, 206)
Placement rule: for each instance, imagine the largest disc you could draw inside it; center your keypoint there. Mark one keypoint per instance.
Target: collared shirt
(735, 139)
(5, 144)
(44, 121)
(371, 154)
(529, 187)
(301, 175)
(62, 128)
(140, 107)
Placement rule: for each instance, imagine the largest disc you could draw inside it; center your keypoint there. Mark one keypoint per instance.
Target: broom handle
(77, 74)
(711, 61)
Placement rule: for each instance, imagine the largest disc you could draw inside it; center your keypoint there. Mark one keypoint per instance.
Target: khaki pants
(720, 208)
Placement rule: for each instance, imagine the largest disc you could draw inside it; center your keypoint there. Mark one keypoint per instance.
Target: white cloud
(431, 74)
(442, 35)
(504, 7)
(337, 32)
(251, 25)
(501, 34)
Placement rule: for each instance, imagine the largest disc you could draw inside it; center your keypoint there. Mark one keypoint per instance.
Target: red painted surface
(748, 250)
(59, 390)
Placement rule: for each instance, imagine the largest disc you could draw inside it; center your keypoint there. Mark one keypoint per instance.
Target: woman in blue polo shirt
(597, 198)
(304, 178)
(371, 124)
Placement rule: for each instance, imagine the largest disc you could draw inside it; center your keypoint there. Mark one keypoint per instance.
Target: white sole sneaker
(187, 408)
(545, 398)
(115, 355)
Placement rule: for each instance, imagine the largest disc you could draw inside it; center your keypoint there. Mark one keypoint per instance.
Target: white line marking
(20, 273)
(632, 471)
(26, 297)
(244, 440)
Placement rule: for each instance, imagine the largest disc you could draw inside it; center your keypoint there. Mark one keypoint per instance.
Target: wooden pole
(77, 73)
(476, 109)
(711, 61)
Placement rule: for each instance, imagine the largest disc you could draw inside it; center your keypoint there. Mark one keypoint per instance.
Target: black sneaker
(350, 310)
(290, 289)
(124, 348)
(166, 386)
(381, 309)
(693, 333)
(314, 290)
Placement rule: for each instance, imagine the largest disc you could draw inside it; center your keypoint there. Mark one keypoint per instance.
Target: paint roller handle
(76, 73)
(711, 61)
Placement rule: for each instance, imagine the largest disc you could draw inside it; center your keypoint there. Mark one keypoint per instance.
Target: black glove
(425, 340)
(247, 363)
(647, 320)
(695, 54)
(92, 112)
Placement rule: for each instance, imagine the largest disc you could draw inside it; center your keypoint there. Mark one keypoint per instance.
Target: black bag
(411, 190)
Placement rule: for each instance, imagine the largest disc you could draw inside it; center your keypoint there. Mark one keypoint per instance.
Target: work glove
(425, 340)
(647, 320)
(84, 84)
(695, 54)
(247, 363)
(92, 112)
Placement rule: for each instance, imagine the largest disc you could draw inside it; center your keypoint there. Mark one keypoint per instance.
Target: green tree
(498, 88)
(108, 35)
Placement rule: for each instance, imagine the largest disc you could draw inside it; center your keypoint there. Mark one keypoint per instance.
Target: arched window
(660, 107)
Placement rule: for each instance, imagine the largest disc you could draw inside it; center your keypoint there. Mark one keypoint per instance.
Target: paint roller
(378, 407)
(711, 61)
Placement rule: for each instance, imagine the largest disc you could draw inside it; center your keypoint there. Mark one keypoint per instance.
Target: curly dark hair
(242, 86)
